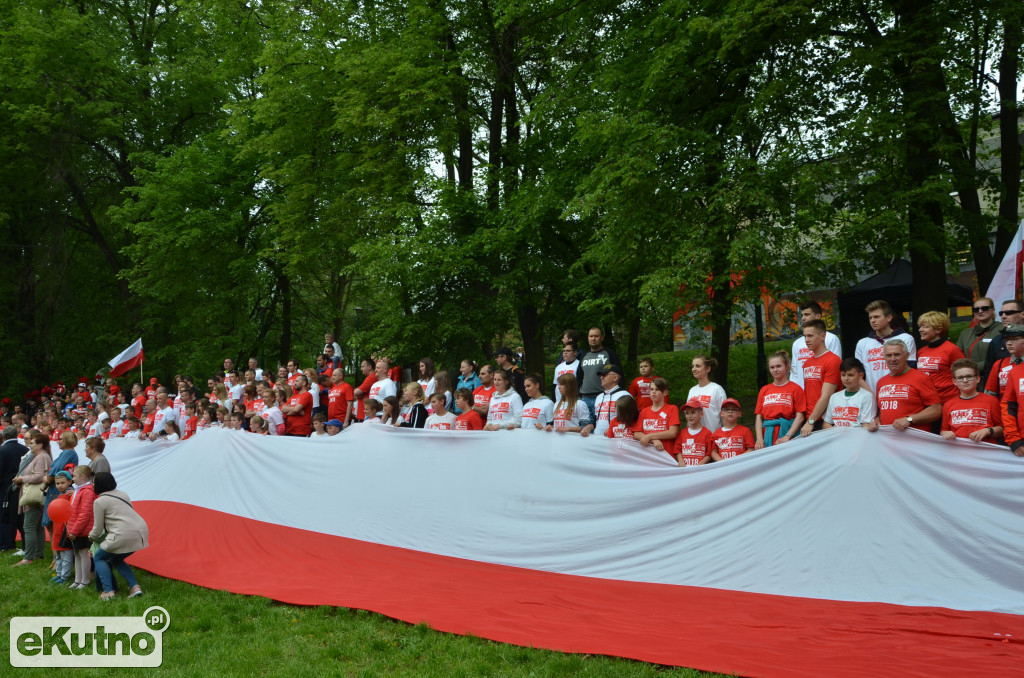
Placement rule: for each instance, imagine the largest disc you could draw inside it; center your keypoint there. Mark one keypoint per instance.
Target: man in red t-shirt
(906, 398)
(150, 417)
(821, 375)
(482, 393)
(363, 391)
(138, 399)
(298, 411)
(1013, 394)
(1000, 371)
(339, 398)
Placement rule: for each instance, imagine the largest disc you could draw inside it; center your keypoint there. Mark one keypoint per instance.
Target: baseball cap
(610, 367)
(333, 422)
(731, 401)
(505, 351)
(695, 403)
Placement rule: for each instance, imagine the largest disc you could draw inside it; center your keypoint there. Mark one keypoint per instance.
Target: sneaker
(23, 562)
(135, 591)
(56, 579)
(76, 586)
(107, 595)
(19, 552)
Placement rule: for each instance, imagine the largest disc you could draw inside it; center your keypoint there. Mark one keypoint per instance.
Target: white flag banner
(847, 553)
(1006, 283)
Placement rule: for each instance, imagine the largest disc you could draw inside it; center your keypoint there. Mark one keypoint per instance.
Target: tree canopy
(436, 178)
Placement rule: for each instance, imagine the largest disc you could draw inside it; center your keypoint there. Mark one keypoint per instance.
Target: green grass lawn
(224, 634)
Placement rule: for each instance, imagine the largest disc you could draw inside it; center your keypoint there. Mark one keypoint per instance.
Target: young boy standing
(854, 405)
(733, 439)
(693, 444)
(640, 389)
(973, 415)
(821, 375)
(441, 419)
(470, 419)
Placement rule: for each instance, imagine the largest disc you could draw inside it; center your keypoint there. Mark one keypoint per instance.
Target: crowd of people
(91, 525)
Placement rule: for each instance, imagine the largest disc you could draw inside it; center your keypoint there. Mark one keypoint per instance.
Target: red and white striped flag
(848, 553)
(127, 359)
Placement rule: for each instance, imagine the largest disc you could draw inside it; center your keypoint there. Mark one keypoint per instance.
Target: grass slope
(224, 634)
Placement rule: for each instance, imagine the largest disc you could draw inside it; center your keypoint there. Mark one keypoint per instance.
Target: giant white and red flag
(847, 553)
(1006, 283)
(127, 359)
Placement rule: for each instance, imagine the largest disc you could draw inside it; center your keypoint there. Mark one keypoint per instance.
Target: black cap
(505, 351)
(610, 367)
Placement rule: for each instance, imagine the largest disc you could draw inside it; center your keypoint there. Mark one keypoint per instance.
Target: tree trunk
(285, 286)
(533, 339)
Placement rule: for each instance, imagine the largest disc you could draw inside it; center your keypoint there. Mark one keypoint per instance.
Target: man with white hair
(906, 397)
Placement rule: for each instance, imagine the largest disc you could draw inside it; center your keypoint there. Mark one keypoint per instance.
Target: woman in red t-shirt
(659, 423)
(780, 405)
(938, 354)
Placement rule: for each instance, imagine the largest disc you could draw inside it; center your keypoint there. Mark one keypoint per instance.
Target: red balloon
(59, 510)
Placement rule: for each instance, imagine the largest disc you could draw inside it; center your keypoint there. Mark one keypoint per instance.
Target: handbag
(31, 495)
(77, 543)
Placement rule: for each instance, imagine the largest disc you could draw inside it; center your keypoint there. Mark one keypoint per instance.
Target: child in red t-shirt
(63, 558)
(623, 424)
(470, 419)
(640, 389)
(659, 423)
(972, 415)
(693, 444)
(733, 439)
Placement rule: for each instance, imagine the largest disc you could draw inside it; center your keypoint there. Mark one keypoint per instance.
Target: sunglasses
(1008, 312)
(982, 309)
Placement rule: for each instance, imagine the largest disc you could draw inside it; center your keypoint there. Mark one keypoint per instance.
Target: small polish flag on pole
(1006, 283)
(129, 358)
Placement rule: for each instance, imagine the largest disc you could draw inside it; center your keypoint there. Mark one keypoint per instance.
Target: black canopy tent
(896, 286)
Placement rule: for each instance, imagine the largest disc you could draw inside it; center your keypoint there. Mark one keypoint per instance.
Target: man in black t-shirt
(592, 363)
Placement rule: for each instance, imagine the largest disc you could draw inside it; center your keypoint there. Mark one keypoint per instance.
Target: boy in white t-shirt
(441, 419)
(854, 406)
(570, 365)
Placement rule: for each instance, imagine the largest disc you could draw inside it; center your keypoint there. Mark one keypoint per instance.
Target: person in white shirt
(383, 387)
(540, 410)
(506, 407)
(604, 406)
(426, 380)
(853, 405)
(710, 394)
(272, 413)
(869, 350)
(254, 365)
(809, 310)
(441, 419)
(570, 365)
(164, 413)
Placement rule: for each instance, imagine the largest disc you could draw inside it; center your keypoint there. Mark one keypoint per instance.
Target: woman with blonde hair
(938, 354)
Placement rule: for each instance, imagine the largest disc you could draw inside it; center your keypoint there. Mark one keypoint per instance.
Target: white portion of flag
(1007, 279)
(903, 518)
